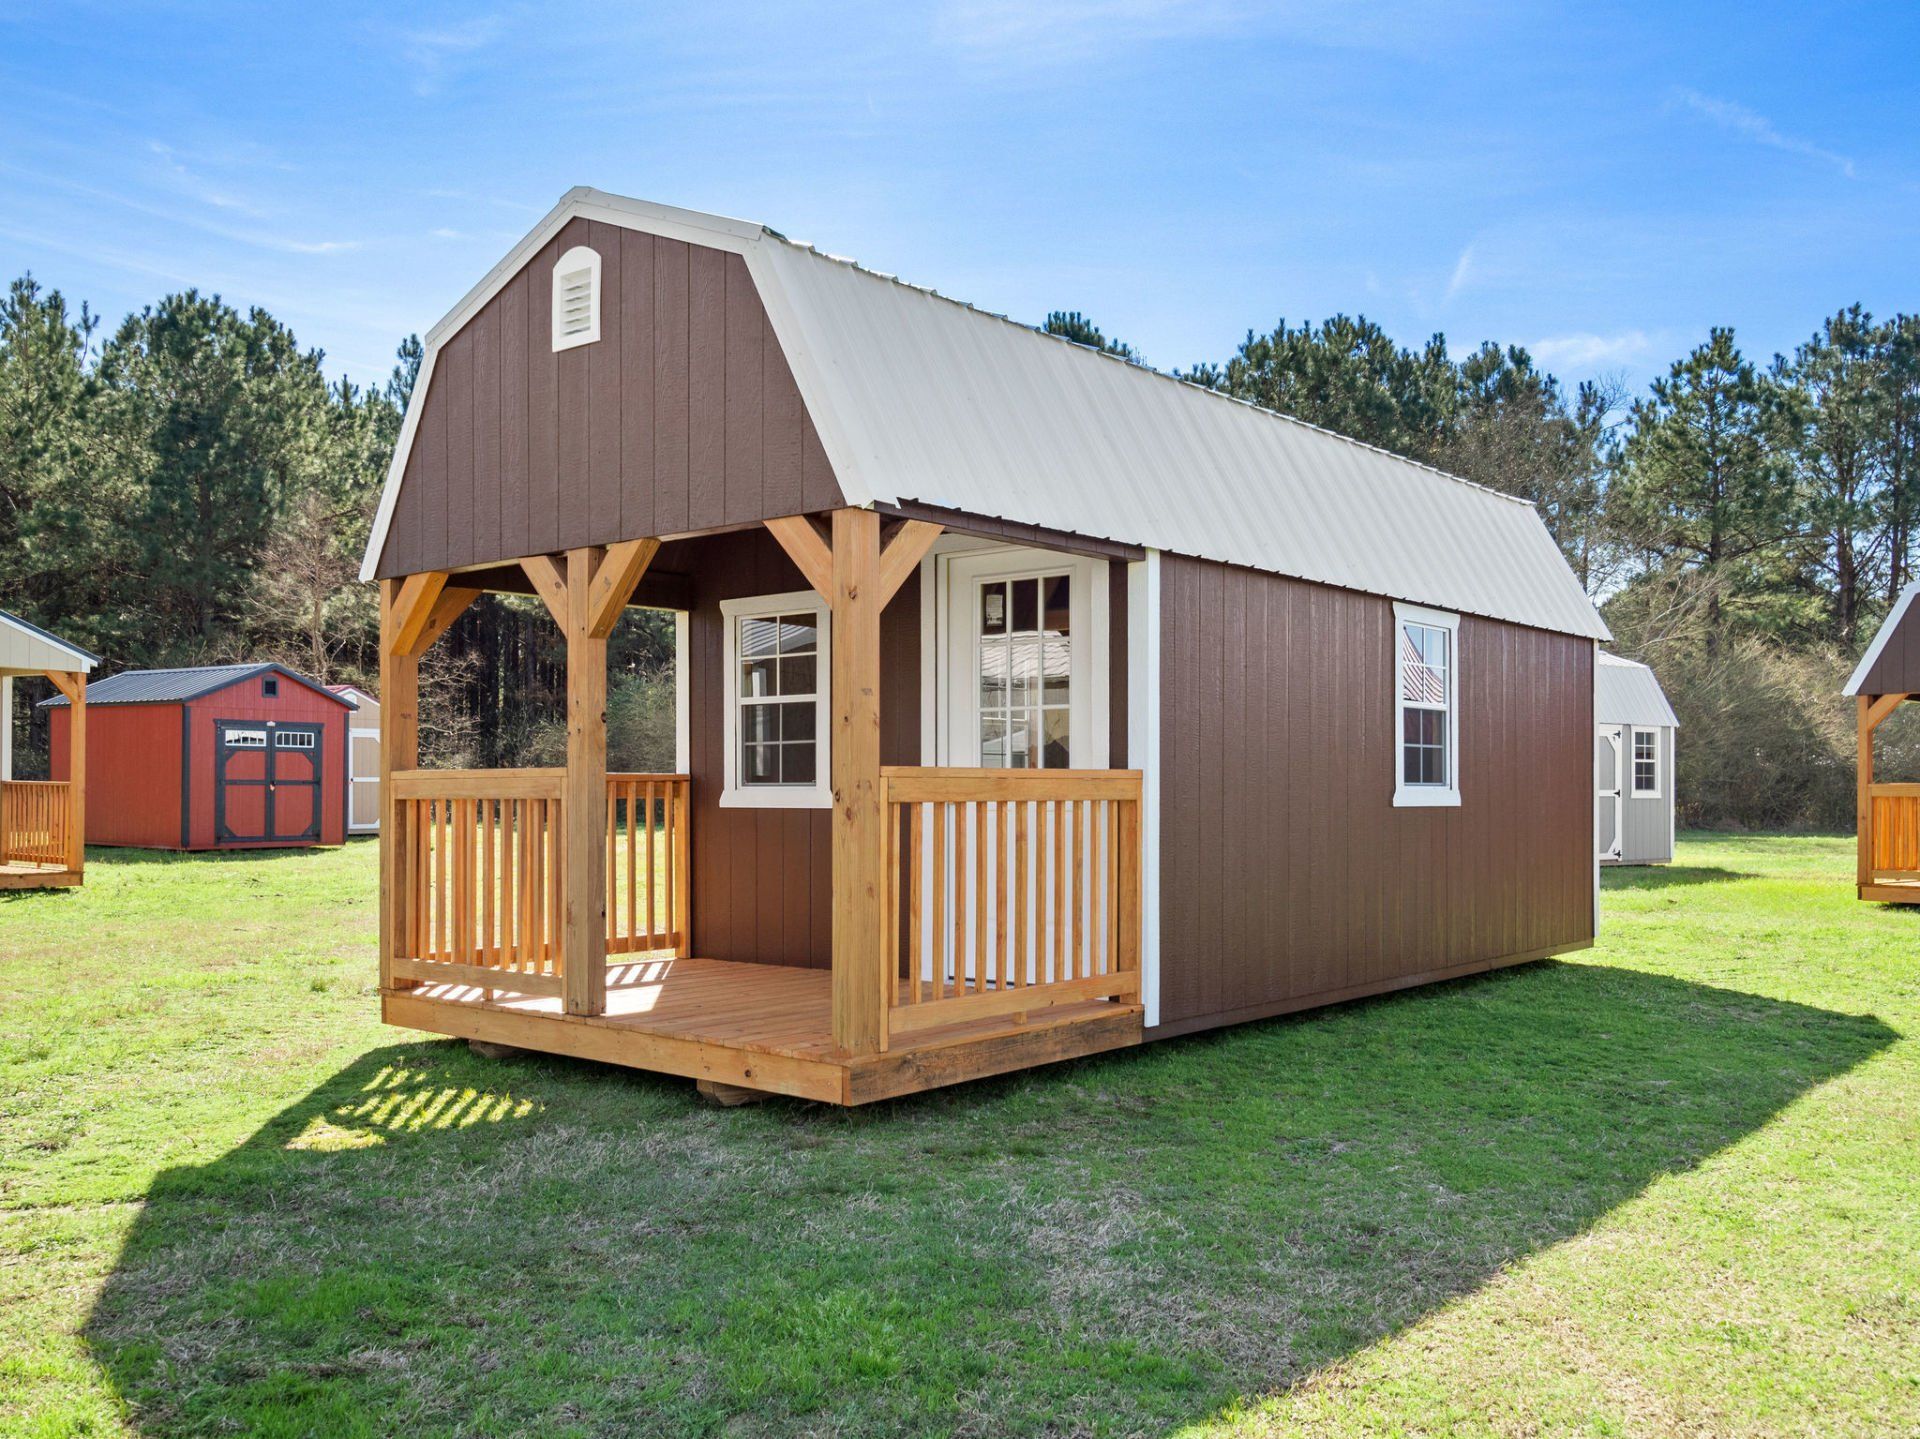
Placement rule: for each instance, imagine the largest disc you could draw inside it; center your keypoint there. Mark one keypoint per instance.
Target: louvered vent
(576, 298)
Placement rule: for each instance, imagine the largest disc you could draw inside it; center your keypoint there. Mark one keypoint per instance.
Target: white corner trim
(1880, 638)
(682, 699)
(930, 696)
(6, 727)
(579, 258)
(1143, 754)
(390, 491)
(819, 794)
(1427, 796)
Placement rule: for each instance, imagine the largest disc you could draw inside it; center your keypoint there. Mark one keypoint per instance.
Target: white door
(1021, 672)
(363, 781)
(1608, 746)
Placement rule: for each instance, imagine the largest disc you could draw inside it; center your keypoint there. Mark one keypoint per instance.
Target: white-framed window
(1646, 764)
(576, 298)
(1426, 687)
(295, 739)
(245, 739)
(779, 659)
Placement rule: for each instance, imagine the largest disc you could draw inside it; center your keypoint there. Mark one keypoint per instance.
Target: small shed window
(270, 686)
(246, 739)
(778, 660)
(1646, 764)
(576, 298)
(1426, 707)
(294, 739)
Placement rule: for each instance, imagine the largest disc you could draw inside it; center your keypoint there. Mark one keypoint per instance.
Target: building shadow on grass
(1667, 876)
(435, 1243)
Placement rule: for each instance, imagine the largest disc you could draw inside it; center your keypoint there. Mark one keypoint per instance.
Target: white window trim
(1633, 766)
(578, 258)
(818, 795)
(1426, 795)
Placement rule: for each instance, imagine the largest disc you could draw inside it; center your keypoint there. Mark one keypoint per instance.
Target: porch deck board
(23, 874)
(757, 1025)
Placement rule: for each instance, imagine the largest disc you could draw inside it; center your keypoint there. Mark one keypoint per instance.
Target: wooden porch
(43, 822)
(982, 920)
(1887, 818)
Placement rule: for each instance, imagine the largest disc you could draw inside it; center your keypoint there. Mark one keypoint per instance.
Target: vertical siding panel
(706, 389)
(637, 339)
(543, 408)
(1210, 760)
(485, 333)
(1235, 762)
(780, 431)
(511, 396)
(606, 386)
(670, 386)
(817, 484)
(745, 446)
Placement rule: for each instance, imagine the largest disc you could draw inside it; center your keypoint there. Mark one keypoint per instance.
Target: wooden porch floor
(22, 874)
(758, 1026)
(1892, 889)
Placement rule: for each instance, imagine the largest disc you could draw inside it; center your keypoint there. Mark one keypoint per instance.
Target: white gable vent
(576, 298)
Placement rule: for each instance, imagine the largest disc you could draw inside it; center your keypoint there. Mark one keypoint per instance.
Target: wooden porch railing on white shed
(1010, 892)
(36, 822)
(482, 865)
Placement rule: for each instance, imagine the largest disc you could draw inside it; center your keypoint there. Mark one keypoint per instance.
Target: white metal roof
(1880, 638)
(918, 398)
(27, 649)
(1627, 692)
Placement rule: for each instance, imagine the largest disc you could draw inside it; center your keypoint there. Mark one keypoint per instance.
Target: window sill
(776, 798)
(1426, 799)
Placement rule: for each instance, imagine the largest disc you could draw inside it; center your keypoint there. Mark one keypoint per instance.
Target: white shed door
(1607, 768)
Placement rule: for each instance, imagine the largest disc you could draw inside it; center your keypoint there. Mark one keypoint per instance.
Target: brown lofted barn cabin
(1887, 814)
(1032, 703)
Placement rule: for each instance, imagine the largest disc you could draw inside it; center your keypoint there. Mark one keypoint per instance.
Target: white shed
(1633, 763)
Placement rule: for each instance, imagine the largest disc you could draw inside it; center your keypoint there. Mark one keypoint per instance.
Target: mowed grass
(1669, 1187)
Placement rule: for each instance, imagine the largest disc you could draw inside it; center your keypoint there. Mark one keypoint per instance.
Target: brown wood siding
(762, 878)
(1286, 871)
(684, 415)
(1897, 670)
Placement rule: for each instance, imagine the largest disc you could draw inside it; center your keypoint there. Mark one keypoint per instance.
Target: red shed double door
(267, 782)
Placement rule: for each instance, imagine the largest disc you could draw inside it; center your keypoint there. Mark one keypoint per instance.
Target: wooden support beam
(809, 552)
(413, 606)
(1863, 799)
(449, 607)
(399, 750)
(859, 828)
(583, 933)
(549, 584)
(903, 554)
(614, 582)
(1882, 707)
(73, 684)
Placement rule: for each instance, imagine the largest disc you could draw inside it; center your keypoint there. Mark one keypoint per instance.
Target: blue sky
(1598, 182)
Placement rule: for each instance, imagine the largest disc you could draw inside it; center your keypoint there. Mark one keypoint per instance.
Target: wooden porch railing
(482, 864)
(1010, 892)
(35, 822)
(1895, 831)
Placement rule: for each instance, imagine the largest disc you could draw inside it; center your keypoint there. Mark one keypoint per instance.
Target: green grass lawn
(1670, 1187)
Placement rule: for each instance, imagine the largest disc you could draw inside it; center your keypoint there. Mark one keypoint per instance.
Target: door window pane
(1026, 672)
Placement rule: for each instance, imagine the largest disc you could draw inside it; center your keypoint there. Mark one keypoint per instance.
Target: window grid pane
(779, 688)
(1026, 673)
(1425, 684)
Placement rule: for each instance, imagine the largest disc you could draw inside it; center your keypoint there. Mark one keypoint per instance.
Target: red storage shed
(221, 757)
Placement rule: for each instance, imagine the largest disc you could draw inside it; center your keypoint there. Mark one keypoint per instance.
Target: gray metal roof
(1627, 692)
(25, 646)
(918, 398)
(138, 687)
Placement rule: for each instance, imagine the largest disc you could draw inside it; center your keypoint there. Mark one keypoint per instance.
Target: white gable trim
(42, 650)
(1880, 638)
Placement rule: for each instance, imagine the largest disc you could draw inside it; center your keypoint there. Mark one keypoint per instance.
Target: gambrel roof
(922, 400)
(1627, 692)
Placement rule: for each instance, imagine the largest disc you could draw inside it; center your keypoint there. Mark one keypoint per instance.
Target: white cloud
(434, 52)
(1758, 128)
(1462, 274)
(1584, 350)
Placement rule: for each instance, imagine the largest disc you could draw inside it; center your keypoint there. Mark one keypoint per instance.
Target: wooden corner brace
(813, 556)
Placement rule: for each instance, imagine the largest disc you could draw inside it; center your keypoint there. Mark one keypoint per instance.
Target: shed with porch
(43, 822)
(1635, 731)
(1886, 815)
(244, 756)
(1034, 703)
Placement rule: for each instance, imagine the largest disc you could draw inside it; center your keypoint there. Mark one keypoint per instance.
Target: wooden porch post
(859, 980)
(1863, 799)
(583, 806)
(77, 774)
(399, 750)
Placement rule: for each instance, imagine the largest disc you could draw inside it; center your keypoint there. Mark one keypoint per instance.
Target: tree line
(191, 488)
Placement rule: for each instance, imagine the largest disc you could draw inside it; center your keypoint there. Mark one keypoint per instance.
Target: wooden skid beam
(614, 582)
(811, 554)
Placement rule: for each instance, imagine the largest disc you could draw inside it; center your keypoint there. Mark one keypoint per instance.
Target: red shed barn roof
(137, 687)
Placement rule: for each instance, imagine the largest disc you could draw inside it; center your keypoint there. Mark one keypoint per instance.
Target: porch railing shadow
(434, 1243)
